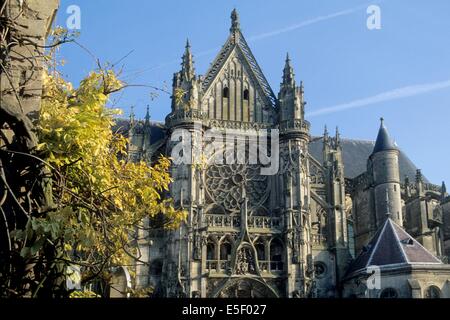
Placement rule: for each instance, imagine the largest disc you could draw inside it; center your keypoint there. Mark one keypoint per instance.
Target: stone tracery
(224, 184)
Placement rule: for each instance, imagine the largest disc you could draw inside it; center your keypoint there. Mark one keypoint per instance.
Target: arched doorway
(246, 288)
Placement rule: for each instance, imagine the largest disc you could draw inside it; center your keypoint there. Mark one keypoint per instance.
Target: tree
(98, 197)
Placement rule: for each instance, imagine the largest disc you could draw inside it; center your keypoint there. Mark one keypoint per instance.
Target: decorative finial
(187, 64)
(338, 136)
(382, 121)
(443, 188)
(418, 175)
(234, 20)
(406, 179)
(325, 136)
(147, 115)
(131, 113)
(288, 72)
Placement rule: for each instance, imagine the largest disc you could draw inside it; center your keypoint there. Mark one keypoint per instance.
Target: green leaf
(25, 252)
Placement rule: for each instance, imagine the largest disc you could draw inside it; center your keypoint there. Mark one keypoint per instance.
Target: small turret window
(246, 96)
(226, 92)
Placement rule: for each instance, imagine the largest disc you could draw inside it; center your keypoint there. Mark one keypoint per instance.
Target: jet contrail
(265, 35)
(398, 93)
(305, 23)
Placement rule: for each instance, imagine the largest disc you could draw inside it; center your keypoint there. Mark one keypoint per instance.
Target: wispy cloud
(404, 92)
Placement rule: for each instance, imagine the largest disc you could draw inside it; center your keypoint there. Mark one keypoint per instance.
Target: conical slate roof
(384, 141)
(392, 245)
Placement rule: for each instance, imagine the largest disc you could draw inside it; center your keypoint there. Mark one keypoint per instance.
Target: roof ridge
(346, 139)
(376, 244)
(242, 43)
(419, 244)
(399, 243)
(216, 63)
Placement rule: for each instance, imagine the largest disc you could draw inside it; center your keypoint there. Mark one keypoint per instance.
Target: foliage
(100, 198)
(84, 294)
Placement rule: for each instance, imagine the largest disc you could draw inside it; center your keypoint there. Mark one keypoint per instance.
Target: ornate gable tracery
(246, 58)
(234, 93)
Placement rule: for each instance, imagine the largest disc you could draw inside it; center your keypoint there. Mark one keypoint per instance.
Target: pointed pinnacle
(131, 115)
(287, 63)
(147, 115)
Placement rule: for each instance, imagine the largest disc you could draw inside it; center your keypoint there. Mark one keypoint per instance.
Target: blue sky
(352, 75)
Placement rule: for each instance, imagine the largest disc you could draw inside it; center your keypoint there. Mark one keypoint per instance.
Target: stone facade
(295, 233)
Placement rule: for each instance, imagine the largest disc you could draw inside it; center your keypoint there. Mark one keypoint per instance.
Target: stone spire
(290, 97)
(132, 116)
(407, 187)
(443, 191)
(337, 139)
(325, 134)
(288, 73)
(419, 175)
(146, 145)
(132, 123)
(187, 65)
(147, 116)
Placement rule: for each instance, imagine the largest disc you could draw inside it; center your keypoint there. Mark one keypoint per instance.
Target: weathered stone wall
(412, 283)
(446, 227)
(363, 217)
(386, 177)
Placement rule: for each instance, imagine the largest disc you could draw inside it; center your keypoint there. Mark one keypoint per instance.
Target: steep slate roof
(384, 141)
(355, 155)
(392, 245)
(355, 152)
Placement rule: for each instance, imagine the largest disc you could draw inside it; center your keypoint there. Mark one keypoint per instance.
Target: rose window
(225, 183)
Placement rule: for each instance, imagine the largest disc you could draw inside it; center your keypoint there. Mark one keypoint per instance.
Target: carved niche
(245, 261)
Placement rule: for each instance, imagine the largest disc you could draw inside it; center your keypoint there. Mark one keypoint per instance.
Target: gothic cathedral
(316, 227)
